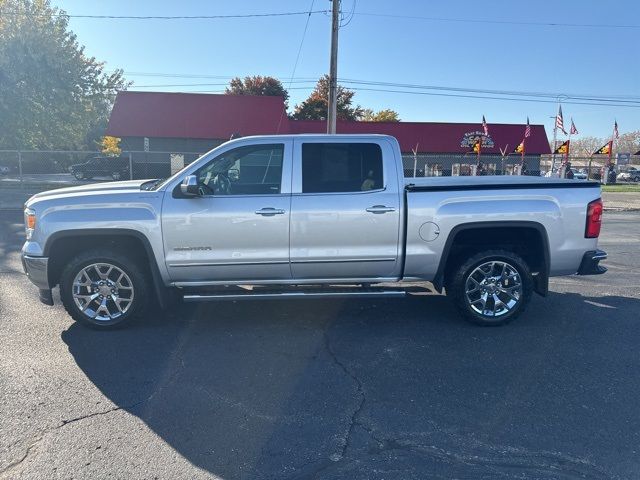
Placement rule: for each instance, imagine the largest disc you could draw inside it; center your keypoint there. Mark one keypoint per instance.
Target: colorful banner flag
(604, 150)
(477, 145)
(573, 130)
(560, 120)
(519, 148)
(563, 149)
(485, 127)
(616, 135)
(527, 129)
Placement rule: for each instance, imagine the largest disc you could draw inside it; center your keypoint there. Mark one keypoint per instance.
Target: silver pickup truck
(308, 216)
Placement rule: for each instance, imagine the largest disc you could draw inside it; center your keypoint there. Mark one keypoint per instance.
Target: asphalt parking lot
(389, 389)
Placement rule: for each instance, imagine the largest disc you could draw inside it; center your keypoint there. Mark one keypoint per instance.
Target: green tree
(257, 85)
(316, 107)
(386, 115)
(52, 95)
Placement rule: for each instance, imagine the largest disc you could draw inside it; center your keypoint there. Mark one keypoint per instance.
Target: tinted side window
(341, 167)
(249, 170)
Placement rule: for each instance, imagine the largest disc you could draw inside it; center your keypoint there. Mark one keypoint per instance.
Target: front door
(238, 228)
(345, 211)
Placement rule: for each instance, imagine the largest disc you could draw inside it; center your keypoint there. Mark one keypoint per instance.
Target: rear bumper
(590, 263)
(36, 270)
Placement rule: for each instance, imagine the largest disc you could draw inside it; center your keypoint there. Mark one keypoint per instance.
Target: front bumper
(590, 261)
(36, 270)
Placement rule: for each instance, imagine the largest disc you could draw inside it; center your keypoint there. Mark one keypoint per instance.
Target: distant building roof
(438, 137)
(194, 115)
(214, 116)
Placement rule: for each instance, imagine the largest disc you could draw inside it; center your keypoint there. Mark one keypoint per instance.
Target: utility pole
(333, 68)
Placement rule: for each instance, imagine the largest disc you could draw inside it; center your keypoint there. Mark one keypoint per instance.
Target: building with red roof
(195, 122)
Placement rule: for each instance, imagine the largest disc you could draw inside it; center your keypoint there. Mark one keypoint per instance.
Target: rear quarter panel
(560, 211)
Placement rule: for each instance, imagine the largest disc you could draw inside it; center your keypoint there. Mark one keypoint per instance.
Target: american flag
(616, 135)
(573, 130)
(560, 121)
(527, 130)
(485, 127)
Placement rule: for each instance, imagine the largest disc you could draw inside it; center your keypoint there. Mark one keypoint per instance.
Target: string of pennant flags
(562, 149)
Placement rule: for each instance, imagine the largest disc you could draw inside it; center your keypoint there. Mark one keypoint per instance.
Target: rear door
(345, 210)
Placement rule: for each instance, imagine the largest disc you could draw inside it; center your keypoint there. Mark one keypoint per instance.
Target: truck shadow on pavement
(381, 389)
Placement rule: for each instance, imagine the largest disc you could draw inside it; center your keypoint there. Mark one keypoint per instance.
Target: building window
(341, 167)
(250, 170)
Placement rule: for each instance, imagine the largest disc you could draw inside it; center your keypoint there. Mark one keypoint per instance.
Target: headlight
(29, 222)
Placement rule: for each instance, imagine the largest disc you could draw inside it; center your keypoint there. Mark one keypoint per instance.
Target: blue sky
(572, 60)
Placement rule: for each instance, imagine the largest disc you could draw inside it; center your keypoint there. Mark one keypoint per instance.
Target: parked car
(312, 216)
(579, 174)
(632, 174)
(4, 170)
(115, 167)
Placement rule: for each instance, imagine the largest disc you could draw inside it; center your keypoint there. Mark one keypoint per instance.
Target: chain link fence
(43, 170)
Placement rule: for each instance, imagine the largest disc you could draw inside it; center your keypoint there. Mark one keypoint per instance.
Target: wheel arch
(502, 233)
(61, 246)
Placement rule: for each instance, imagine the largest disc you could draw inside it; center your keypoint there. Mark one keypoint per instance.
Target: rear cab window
(341, 167)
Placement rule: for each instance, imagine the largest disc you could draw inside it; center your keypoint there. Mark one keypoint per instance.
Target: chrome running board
(354, 293)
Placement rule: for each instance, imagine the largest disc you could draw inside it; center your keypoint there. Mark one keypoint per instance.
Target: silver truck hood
(91, 188)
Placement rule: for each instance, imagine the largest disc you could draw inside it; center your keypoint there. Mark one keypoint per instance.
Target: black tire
(79, 175)
(116, 175)
(137, 277)
(456, 287)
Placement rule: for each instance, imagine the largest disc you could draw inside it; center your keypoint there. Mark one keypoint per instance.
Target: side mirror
(189, 186)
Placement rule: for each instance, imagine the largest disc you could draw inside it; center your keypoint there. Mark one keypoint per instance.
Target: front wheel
(492, 287)
(103, 288)
(116, 175)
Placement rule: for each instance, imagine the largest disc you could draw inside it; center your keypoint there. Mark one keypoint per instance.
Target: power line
(556, 96)
(498, 22)
(485, 97)
(420, 89)
(600, 103)
(295, 64)
(164, 17)
(352, 81)
(226, 84)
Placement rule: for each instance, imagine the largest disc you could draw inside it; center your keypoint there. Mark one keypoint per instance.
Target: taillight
(594, 219)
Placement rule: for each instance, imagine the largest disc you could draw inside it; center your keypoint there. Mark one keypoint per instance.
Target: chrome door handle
(269, 211)
(380, 209)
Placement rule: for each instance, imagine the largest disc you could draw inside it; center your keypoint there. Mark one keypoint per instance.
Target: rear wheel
(79, 175)
(492, 287)
(103, 288)
(116, 175)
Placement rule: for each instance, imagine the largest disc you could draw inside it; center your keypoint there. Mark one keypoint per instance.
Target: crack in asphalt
(96, 414)
(499, 460)
(335, 458)
(42, 434)
(16, 463)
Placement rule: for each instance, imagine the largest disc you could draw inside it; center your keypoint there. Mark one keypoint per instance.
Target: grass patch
(618, 187)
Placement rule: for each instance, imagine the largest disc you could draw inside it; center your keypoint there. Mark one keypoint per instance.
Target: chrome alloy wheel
(493, 288)
(103, 291)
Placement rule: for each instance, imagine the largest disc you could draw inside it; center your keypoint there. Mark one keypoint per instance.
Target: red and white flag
(616, 135)
(485, 127)
(573, 130)
(527, 129)
(560, 120)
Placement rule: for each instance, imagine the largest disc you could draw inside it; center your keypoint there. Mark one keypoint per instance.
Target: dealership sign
(470, 138)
